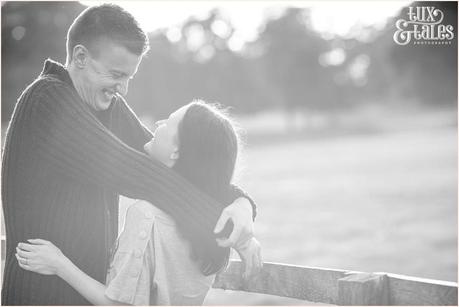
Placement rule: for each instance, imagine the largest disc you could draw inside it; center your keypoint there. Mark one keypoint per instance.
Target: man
(73, 145)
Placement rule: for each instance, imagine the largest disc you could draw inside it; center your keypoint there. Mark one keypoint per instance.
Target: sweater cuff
(237, 192)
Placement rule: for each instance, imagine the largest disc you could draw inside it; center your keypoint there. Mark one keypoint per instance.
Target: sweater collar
(57, 70)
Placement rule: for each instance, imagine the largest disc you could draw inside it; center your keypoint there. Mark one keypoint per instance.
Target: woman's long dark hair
(208, 148)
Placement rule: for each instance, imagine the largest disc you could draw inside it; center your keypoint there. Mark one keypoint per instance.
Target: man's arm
(131, 131)
(238, 192)
(127, 126)
(75, 143)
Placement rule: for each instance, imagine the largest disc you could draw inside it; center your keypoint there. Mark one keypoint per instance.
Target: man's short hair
(106, 21)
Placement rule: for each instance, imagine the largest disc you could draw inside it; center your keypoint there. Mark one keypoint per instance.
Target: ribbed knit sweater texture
(64, 166)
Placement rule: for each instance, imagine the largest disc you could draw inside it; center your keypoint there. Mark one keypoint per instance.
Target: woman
(159, 261)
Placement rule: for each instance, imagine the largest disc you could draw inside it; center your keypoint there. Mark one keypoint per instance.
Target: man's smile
(109, 94)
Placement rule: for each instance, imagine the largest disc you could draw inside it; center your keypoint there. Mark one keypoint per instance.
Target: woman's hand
(43, 257)
(40, 256)
(250, 254)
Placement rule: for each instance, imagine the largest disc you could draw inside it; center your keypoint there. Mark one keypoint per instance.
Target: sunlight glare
(328, 17)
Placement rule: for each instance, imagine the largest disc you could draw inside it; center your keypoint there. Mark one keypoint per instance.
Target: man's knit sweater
(64, 166)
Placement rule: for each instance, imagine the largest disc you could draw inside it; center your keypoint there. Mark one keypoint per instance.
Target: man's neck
(71, 70)
(73, 73)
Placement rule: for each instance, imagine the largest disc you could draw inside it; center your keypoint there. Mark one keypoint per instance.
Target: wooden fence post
(364, 289)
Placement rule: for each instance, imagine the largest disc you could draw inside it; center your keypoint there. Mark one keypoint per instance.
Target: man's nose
(122, 87)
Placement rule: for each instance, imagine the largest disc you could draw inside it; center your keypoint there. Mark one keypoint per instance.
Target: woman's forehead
(179, 113)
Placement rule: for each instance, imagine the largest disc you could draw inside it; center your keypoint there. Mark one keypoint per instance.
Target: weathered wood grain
(340, 287)
(406, 290)
(306, 283)
(363, 289)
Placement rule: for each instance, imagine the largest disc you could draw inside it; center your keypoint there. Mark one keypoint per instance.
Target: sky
(328, 17)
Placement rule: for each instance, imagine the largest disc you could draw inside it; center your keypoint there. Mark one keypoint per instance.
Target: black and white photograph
(221, 153)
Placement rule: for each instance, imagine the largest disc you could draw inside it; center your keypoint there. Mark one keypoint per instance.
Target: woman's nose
(159, 122)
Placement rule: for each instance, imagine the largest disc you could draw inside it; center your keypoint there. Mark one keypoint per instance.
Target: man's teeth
(109, 94)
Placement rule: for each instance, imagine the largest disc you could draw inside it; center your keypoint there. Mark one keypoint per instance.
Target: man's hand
(240, 213)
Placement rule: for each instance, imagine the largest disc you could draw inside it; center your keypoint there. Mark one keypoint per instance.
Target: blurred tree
(429, 72)
(195, 61)
(31, 33)
(288, 66)
(426, 73)
(290, 52)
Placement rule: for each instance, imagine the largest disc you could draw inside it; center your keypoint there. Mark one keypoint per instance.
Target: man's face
(107, 73)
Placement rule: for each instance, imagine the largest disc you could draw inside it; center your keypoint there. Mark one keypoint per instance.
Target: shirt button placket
(143, 235)
(138, 253)
(135, 272)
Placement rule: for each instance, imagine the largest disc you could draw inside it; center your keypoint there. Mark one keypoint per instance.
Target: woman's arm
(44, 257)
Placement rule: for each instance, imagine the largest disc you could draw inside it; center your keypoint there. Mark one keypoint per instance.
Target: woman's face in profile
(164, 146)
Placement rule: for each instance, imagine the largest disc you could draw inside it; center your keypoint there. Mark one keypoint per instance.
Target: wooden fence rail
(340, 287)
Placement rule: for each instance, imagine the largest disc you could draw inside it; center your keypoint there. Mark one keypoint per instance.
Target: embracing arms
(131, 131)
(41, 256)
(75, 142)
(78, 145)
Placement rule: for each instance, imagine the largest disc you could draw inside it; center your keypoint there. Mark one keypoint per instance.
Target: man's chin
(103, 105)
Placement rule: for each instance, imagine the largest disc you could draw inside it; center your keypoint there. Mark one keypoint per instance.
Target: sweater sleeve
(127, 125)
(237, 192)
(75, 143)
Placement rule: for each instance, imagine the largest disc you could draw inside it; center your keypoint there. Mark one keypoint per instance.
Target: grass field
(374, 203)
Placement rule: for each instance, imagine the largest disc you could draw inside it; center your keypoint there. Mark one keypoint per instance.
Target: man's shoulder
(40, 87)
(46, 89)
(47, 83)
(54, 77)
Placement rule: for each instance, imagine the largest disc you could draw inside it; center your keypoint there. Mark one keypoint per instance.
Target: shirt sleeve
(129, 279)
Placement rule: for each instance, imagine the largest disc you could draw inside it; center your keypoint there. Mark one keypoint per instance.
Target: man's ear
(80, 56)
